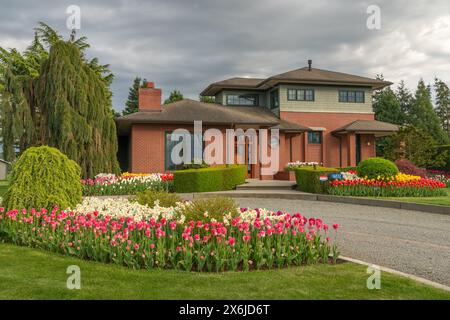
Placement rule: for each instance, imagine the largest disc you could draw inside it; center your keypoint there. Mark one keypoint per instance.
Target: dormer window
(242, 99)
(300, 94)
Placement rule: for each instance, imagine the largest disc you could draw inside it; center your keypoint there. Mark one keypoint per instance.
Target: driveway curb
(406, 275)
(297, 195)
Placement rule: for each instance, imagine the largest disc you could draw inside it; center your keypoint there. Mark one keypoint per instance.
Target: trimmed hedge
(308, 178)
(41, 178)
(376, 168)
(346, 169)
(215, 178)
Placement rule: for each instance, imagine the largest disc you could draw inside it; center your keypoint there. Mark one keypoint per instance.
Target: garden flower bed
(439, 175)
(158, 237)
(401, 185)
(126, 184)
(299, 164)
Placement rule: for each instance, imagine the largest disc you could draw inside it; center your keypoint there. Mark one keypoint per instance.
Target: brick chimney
(150, 98)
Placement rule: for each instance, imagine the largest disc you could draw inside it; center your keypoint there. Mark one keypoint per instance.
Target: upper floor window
(242, 99)
(351, 96)
(274, 102)
(300, 94)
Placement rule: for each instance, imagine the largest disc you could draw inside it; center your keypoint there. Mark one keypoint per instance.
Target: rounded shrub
(43, 177)
(206, 209)
(376, 168)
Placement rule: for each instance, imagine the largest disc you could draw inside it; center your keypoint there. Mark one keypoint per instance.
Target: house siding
(326, 99)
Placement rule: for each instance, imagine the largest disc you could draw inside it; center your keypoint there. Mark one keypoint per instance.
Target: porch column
(305, 143)
(282, 152)
(351, 149)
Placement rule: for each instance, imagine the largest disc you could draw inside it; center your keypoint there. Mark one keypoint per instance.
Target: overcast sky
(187, 44)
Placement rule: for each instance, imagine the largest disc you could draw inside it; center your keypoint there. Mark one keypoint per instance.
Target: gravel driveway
(413, 242)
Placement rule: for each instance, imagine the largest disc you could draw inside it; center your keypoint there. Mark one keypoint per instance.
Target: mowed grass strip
(27, 273)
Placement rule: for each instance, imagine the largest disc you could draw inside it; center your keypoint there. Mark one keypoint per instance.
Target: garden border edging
(403, 274)
(296, 195)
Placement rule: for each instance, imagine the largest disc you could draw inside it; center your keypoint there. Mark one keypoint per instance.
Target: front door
(358, 148)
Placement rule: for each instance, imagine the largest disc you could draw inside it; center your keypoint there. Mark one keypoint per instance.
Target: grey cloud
(186, 44)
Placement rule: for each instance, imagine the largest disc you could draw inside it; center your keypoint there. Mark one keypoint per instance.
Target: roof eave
(373, 85)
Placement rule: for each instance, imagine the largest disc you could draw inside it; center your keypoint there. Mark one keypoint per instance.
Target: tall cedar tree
(77, 117)
(416, 145)
(423, 115)
(132, 104)
(405, 99)
(175, 96)
(387, 108)
(443, 104)
(52, 95)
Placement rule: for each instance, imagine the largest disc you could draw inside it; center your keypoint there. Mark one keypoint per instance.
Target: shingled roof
(379, 128)
(301, 76)
(187, 111)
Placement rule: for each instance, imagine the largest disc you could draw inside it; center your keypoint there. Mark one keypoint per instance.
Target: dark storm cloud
(187, 44)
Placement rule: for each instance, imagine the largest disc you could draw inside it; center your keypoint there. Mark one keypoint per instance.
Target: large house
(322, 116)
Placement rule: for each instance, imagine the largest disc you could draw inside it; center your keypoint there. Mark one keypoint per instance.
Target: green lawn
(443, 200)
(33, 274)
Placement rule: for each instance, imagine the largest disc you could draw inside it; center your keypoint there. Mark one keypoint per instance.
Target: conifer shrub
(43, 177)
(207, 209)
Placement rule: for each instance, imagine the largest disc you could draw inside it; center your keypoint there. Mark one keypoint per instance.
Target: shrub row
(308, 178)
(216, 178)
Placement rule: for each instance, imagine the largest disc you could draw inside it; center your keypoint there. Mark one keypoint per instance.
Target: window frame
(239, 95)
(274, 95)
(301, 94)
(193, 137)
(312, 141)
(354, 97)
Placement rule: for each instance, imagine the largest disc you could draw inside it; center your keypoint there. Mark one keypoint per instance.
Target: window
(351, 96)
(292, 94)
(314, 137)
(196, 147)
(242, 99)
(300, 94)
(274, 103)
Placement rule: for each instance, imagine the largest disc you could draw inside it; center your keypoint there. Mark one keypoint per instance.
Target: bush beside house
(209, 179)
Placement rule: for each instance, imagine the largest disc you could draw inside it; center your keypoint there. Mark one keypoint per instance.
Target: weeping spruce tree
(76, 114)
(52, 95)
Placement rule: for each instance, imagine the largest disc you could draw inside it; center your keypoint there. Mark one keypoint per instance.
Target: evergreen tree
(423, 116)
(443, 104)
(207, 99)
(132, 104)
(175, 96)
(416, 145)
(404, 98)
(52, 95)
(386, 108)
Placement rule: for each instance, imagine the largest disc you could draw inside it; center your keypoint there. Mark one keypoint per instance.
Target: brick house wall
(328, 152)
